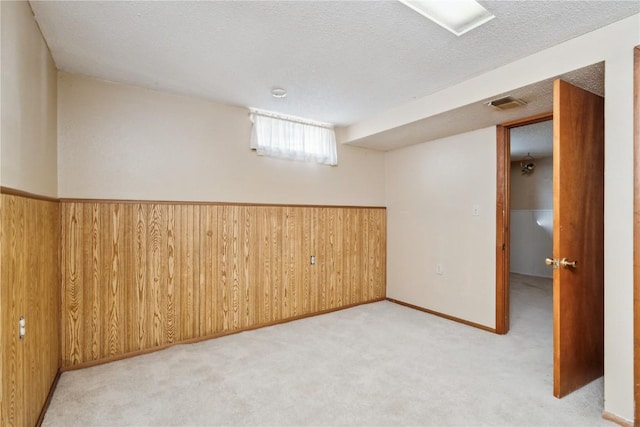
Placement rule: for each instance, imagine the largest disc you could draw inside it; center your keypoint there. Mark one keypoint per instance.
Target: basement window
(287, 137)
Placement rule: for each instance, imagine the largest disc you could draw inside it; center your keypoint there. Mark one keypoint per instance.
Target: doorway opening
(531, 219)
(503, 212)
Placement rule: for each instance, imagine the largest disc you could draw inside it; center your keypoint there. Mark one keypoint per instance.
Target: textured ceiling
(339, 61)
(534, 140)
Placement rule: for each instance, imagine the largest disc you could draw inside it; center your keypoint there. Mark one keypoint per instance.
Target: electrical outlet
(312, 260)
(21, 327)
(439, 269)
(475, 210)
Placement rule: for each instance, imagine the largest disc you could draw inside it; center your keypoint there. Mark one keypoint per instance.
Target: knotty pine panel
(136, 276)
(30, 287)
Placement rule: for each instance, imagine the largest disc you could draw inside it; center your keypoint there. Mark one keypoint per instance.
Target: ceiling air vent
(506, 103)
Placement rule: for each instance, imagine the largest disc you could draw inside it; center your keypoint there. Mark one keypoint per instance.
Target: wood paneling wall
(136, 276)
(29, 287)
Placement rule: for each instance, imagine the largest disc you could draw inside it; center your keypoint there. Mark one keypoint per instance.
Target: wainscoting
(138, 276)
(30, 287)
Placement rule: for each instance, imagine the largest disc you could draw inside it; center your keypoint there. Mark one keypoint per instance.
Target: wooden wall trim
(503, 203)
(21, 193)
(528, 120)
(444, 316)
(616, 419)
(13, 192)
(210, 337)
(636, 230)
(213, 203)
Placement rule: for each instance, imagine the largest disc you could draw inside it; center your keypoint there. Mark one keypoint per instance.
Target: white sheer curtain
(291, 138)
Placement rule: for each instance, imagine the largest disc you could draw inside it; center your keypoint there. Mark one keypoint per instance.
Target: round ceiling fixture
(278, 92)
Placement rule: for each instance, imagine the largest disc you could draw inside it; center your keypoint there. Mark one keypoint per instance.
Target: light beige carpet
(377, 364)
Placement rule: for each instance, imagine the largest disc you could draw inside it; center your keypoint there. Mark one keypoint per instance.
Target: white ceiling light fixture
(278, 92)
(457, 16)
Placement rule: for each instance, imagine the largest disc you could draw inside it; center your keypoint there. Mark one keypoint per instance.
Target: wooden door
(578, 219)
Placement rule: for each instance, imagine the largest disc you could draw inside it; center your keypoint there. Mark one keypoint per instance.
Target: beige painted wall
(533, 191)
(28, 148)
(613, 44)
(431, 191)
(123, 142)
(618, 225)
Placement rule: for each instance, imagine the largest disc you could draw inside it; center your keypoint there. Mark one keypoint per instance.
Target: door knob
(565, 263)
